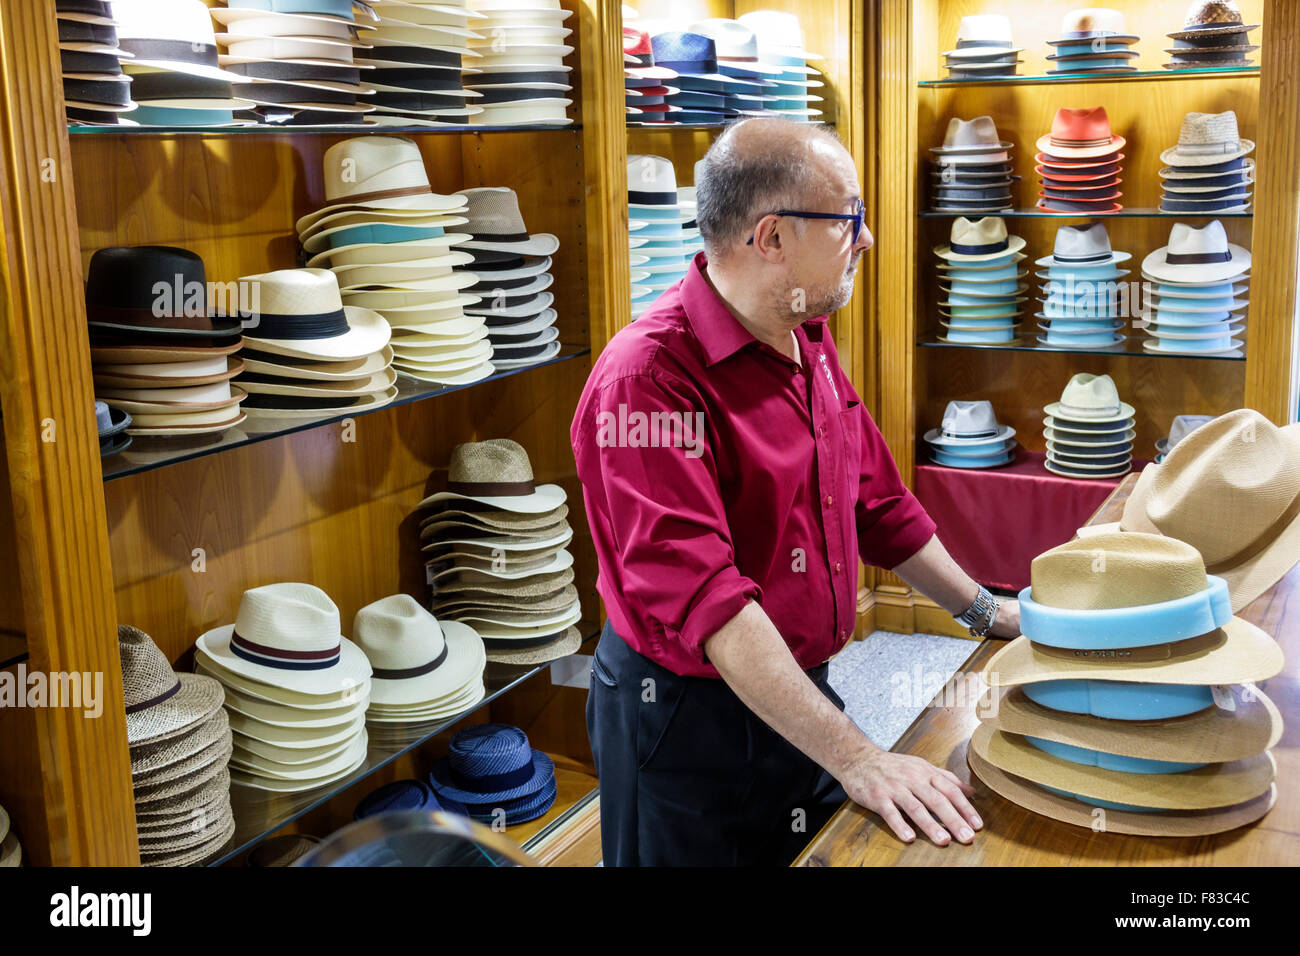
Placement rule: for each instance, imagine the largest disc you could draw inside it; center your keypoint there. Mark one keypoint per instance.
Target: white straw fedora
(1090, 399)
(416, 658)
(301, 314)
(496, 472)
(1201, 255)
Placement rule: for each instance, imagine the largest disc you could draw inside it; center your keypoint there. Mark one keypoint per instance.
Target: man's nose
(865, 239)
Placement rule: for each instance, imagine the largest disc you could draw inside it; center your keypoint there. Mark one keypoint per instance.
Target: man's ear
(768, 239)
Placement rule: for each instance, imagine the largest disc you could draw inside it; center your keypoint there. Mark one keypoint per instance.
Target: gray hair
(737, 183)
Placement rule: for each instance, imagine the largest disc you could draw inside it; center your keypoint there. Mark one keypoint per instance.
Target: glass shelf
(1130, 346)
(1136, 212)
(1044, 79)
(359, 129)
(259, 813)
(145, 454)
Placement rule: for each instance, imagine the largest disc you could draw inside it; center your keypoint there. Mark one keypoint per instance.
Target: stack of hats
(308, 355)
(165, 358)
(981, 282)
(294, 58)
(1093, 41)
(738, 60)
(180, 744)
(496, 542)
(781, 44)
(11, 851)
(175, 75)
(420, 54)
(708, 93)
(1081, 307)
(1078, 162)
(282, 850)
(513, 268)
(385, 234)
(1089, 432)
(1207, 172)
(521, 55)
(404, 795)
(1200, 285)
(1183, 426)
(1130, 700)
(658, 231)
(971, 437)
(1213, 36)
(111, 424)
(972, 171)
(691, 238)
(424, 669)
(493, 772)
(644, 80)
(296, 689)
(95, 90)
(984, 49)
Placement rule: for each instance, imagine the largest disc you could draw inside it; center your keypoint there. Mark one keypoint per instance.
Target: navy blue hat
(403, 795)
(519, 809)
(490, 763)
(692, 55)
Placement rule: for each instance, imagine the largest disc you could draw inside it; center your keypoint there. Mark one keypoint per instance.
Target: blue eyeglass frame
(856, 217)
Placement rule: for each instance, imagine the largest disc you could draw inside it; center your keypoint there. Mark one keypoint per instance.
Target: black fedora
(153, 291)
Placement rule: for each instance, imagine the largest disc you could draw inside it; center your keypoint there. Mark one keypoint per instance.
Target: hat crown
(967, 419)
(1089, 395)
(986, 231)
(396, 633)
(1189, 240)
(368, 164)
(985, 26)
(1227, 484)
(1081, 242)
(289, 617)
(1212, 13)
(301, 292)
(493, 460)
(1210, 129)
(980, 131)
(637, 42)
(1093, 21)
(731, 39)
(493, 210)
(103, 417)
(1120, 569)
(685, 47)
(146, 674)
(186, 20)
(774, 28)
(650, 174)
(488, 750)
(125, 277)
(1081, 125)
(1184, 425)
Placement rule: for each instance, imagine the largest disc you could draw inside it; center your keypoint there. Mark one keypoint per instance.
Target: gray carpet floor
(887, 679)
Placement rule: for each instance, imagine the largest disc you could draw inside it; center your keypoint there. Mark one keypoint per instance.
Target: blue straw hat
(404, 795)
(488, 764)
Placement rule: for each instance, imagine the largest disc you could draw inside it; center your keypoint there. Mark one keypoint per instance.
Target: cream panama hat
(1201, 255)
(301, 314)
(1090, 399)
(496, 473)
(288, 635)
(176, 35)
(983, 35)
(416, 658)
(160, 704)
(979, 240)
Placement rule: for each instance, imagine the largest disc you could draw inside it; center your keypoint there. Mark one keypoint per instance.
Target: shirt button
(821, 430)
(837, 567)
(829, 501)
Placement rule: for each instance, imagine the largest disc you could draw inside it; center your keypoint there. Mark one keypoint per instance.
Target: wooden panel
(12, 623)
(55, 481)
(578, 844)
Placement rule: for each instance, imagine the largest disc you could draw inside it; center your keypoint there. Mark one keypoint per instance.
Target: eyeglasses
(855, 217)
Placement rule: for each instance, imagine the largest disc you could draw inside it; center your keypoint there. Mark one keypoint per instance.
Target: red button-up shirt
(717, 471)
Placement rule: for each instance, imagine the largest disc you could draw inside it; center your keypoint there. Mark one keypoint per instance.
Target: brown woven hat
(566, 643)
(436, 534)
(159, 702)
(204, 789)
(496, 473)
(559, 600)
(473, 583)
(146, 758)
(216, 752)
(508, 546)
(181, 791)
(201, 829)
(282, 850)
(192, 856)
(156, 823)
(471, 514)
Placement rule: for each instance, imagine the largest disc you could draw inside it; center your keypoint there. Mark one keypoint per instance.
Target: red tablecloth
(995, 522)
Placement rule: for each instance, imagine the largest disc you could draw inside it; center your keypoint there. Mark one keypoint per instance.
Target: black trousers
(690, 776)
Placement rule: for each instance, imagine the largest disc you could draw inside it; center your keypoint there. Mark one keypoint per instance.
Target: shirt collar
(716, 329)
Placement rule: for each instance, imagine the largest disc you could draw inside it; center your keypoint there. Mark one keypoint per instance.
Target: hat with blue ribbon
(491, 763)
(403, 795)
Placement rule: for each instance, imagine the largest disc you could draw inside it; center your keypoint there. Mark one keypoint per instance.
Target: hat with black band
(419, 56)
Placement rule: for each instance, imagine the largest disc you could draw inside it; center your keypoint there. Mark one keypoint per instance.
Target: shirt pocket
(851, 428)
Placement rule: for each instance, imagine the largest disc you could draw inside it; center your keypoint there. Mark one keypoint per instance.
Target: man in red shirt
(732, 478)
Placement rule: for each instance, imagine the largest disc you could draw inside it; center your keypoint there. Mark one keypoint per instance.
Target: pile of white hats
(523, 78)
(1093, 40)
(496, 542)
(388, 237)
(1197, 285)
(1089, 432)
(1081, 305)
(780, 41)
(296, 689)
(662, 235)
(984, 49)
(95, 90)
(180, 744)
(972, 169)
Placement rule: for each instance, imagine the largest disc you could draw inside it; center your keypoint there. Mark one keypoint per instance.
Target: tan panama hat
(215, 752)
(565, 643)
(160, 704)
(416, 657)
(251, 764)
(242, 693)
(471, 584)
(452, 531)
(283, 715)
(491, 520)
(204, 789)
(193, 855)
(300, 313)
(551, 601)
(497, 473)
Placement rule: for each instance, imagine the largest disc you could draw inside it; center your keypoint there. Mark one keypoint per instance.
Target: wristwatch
(979, 617)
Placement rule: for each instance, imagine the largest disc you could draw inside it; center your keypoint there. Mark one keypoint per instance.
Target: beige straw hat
(149, 757)
(188, 857)
(490, 518)
(416, 658)
(183, 791)
(484, 586)
(289, 716)
(205, 791)
(216, 752)
(496, 473)
(160, 704)
(566, 643)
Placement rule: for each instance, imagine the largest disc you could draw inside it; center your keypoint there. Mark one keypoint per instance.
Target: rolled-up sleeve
(675, 563)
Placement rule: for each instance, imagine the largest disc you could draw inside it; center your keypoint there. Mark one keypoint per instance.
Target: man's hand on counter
(1007, 624)
(900, 787)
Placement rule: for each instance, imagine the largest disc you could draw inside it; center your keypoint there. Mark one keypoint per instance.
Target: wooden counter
(1013, 836)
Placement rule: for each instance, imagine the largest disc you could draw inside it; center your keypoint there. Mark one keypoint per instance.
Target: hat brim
(565, 644)
(537, 244)
(197, 700)
(1014, 245)
(562, 561)
(440, 780)
(367, 333)
(337, 759)
(264, 778)
(1156, 265)
(935, 437)
(1044, 145)
(544, 498)
(1126, 411)
(464, 663)
(351, 670)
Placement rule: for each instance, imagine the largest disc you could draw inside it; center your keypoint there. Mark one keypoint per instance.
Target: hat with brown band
(497, 473)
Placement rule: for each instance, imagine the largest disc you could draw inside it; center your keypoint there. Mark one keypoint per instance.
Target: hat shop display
(780, 40)
(302, 326)
(972, 169)
(984, 50)
(1207, 172)
(691, 238)
(1212, 36)
(1080, 302)
(981, 285)
(295, 58)
(1231, 489)
(1131, 690)
(1183, 426)
(95, 90)
(971, 437)
(521, 48)
(11, 850)
(1079, 163)
(662, 231)
(709, 90)
(492, 768)
(296, 689)
(180, 743)
(176, 74)
(1089, 432)
(645, 82)
(1093, 40)
(281, 850)
(513, 268)
(165, 358)
(497, 554)
(1196, 289)
(389, 238)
